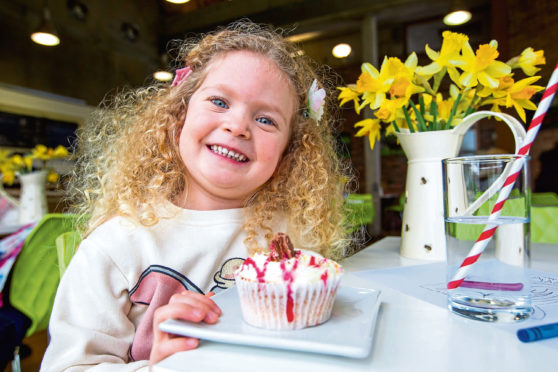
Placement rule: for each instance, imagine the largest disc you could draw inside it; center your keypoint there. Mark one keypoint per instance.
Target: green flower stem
(453, 111)
(396, 127)
(408, 118)
(434, 113)
(474, 101)
(420, 119)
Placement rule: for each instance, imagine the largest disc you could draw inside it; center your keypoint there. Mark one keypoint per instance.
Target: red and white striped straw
(491, 227)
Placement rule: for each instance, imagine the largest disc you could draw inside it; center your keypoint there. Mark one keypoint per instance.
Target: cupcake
(287, 289)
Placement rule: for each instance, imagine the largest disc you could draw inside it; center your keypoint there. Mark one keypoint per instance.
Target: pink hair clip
(180, 75)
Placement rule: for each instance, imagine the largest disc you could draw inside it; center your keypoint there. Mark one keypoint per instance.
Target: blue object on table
(541, 332)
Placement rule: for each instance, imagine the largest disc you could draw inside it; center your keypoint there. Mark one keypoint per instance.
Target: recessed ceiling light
(162, 75)
(177, 1)
(458, 13)
(457, 17)
(341, 50)
(45, 38)
(46, 33)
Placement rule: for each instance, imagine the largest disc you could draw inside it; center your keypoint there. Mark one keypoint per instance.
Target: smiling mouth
(220, 150)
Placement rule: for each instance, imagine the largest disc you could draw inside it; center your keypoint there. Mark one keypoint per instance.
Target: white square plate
(349, 332)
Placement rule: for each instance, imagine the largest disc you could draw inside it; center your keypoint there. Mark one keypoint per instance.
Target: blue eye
(219, 102)
(265, 121)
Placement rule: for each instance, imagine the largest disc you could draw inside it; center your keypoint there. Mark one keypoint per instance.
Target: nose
(238, 125)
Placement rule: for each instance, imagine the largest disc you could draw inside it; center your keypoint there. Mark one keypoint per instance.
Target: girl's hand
(189, 306)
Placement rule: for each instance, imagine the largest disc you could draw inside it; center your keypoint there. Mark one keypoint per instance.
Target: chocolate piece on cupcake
(281, 247)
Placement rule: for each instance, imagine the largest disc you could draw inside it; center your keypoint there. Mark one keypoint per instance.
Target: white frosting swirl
(306, 267)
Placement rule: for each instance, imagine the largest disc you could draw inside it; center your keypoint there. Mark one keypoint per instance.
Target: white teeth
(228, 153)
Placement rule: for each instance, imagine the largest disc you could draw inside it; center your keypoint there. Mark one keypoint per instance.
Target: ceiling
(305, 20)
(106, 44)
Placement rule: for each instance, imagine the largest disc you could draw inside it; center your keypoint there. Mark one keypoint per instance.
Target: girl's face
(236, 129)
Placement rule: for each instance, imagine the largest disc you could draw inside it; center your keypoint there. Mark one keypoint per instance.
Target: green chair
(36, 272)
(544, 214)
(360, 210)
(66, 245)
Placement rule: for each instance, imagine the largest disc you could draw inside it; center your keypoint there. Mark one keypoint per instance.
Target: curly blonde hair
(129, 158)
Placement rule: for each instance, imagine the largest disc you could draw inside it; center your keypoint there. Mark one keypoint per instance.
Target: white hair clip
(315, 103)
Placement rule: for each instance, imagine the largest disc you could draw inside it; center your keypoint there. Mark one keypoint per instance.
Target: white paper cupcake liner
(265, 305)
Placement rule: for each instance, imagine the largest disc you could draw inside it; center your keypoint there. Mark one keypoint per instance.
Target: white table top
(410, 334)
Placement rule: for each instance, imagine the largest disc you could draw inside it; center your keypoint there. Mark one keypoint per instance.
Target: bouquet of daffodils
(12, 163)
(405, 95)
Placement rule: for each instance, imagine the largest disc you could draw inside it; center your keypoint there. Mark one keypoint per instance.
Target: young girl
(180, 183)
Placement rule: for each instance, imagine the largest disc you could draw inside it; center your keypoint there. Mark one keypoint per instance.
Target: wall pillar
(372, 163)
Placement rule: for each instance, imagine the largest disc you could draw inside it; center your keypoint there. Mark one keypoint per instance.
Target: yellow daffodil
(403, 75)
(37, 159)
(375, 84)
(527, 61)
(371, 128)
(28, 161)
(482, 67)
(444, 109)
(40, 152)
(389, 109)
(405, 96)
(60, 152)
(519, 96)
(8, 177)
(504, 83)
(52, 177)
(17, 161)
(349, 94)
(452, 44)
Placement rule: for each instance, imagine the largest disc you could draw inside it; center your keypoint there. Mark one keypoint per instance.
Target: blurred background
(105, 45)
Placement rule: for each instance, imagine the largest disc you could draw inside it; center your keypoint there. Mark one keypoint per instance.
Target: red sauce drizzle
(260, 274)
(288, 278)
(324, 278)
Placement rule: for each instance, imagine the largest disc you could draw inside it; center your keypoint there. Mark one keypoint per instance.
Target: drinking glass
(495, 287)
